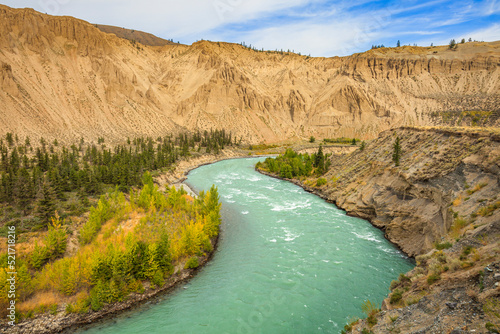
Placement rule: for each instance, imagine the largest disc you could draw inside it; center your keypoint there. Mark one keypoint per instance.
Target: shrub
(95, 301)
(492, 328)
(368, 307)
(321, 182)
(372, 320)
(192, 263)
(433, 278)
(98, 215)
(488, 210)
(412, 300)
(465, 252)
(348, 327)
(477, 187)
(455, 264)
(403, 278)
(157, 279)
(396, 296)
(56, 239)
(371, 311)
(38, 256)
(443, 245)
(53, 309)
(396, 156)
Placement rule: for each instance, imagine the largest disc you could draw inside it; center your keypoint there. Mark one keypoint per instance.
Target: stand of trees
(291, 164)
(35, 179)
(112, 261)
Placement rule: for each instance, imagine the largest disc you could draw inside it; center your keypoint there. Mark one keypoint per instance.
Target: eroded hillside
(441, 205)
(62, 77)
(444, 175)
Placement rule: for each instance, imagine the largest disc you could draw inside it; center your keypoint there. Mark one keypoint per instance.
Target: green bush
(56, 239)
(157, 279)
(321, 182)
(443, 245)
(396, 296)
(465, 252)
(432, 278)
(192, 263)
(492, 328)
(39, 256)
(98, 215)
(95, 301)
(403, 278)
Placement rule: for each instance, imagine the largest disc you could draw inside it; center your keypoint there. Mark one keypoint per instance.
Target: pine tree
(24, 189)
(398, 44)
(396, 156)
(46, 206)
(56, 239)
(319, 161)
(453, 44)
(10, 139)
(319, 158)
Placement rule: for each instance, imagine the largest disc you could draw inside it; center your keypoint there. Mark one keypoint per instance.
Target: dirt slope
(62, 77)
(134, 35)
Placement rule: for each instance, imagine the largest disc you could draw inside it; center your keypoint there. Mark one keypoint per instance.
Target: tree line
(292, 164)
(34, 179)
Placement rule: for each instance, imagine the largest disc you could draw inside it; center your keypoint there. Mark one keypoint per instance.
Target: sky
(312, 27)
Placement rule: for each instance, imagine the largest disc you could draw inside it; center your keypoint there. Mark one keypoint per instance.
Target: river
(287, 262)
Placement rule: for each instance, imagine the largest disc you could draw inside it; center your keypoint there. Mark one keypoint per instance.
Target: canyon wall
(63, 78)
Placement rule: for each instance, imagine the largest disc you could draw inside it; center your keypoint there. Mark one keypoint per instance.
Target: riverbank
(62, 322)
(69, 323)
(440, 206)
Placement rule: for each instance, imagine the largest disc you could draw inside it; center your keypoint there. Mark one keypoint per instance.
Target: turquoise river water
(287, 262)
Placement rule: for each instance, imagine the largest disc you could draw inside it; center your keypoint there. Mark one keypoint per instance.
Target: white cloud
(489, 34)
(174, 18)
(339, 37)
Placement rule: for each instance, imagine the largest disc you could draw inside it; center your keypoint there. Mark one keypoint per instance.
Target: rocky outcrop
(416, 202)
(7, 82)
(67, 79)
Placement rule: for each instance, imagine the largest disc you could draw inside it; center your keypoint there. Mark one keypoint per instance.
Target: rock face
(444, 195)
(65, 78)
(444, 175)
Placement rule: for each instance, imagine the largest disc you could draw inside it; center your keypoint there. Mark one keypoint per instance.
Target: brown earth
(63, 78)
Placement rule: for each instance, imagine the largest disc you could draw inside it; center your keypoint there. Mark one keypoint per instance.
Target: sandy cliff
(63, 77)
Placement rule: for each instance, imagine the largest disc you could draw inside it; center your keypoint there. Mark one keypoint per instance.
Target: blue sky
(316, 27)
